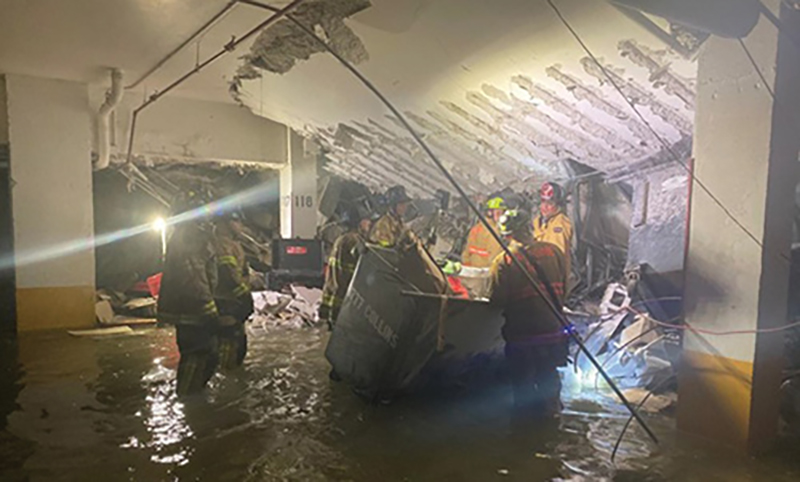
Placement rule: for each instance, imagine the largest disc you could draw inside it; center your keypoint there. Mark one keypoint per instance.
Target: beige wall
(49, 133)
(299, 190)
(191, 130)
(3, 111)
(50, 147)
(745, 150)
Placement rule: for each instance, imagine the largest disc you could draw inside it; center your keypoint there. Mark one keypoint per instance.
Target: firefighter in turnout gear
(552, 225)
(536, 343)
(342, 263)
(390, 231)
(233, 297)
(186, 298)
(482, 248)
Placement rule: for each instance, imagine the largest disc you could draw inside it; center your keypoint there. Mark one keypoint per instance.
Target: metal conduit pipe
(227, 48)
(529, 277)
(184, 44)
(113, 99)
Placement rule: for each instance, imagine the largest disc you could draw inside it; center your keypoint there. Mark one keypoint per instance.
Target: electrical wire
(757, 68)
(661, 140)
(703, 331)
(638, 407)
(533, 282)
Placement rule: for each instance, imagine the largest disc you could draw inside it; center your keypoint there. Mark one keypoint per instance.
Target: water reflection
(106, 410)
(165, 419)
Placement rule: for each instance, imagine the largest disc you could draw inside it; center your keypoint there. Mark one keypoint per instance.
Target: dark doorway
(8, 304)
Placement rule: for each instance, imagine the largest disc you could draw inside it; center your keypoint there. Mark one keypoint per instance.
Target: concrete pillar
(49, 142)
(299, 190)
(746, 152)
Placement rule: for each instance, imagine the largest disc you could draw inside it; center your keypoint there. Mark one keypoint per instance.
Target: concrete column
(298, 190)
(50, 145)
(746, 151)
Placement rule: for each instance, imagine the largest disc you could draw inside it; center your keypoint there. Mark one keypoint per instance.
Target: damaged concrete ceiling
(500, 89)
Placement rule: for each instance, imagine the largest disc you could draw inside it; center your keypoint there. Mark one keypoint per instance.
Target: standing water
(105, 409)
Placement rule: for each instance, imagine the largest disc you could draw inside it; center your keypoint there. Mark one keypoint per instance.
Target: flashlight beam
(20, 258)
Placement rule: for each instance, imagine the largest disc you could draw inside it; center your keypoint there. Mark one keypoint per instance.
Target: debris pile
(115, 309)
(634, 349)
(296, 309)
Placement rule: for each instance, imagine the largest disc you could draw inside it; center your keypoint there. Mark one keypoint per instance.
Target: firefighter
(536, 343)
(233, 297)
(186, 297)
(482, 247)
(390, 230)
(342, 262)
(552, 225)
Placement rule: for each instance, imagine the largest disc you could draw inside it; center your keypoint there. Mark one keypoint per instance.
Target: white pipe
(113, 99)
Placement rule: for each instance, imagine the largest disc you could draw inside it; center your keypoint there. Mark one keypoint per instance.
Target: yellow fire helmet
(496, 203)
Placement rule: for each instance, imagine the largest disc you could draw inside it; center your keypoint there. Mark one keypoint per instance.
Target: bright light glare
(159, 225)
(39, 254)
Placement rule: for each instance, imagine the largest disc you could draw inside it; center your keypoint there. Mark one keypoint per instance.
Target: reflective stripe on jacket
(341, 267)
(528, 316)
(190, 277)
(558, 231)
(232, 267)
(481, 248)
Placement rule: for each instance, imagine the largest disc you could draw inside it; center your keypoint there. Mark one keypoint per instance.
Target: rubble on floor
(652, 404)
(636, 351)
(294, 309)
(117, 309)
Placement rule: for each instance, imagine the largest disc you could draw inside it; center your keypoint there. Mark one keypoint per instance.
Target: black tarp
(385, 339)
(382, 339)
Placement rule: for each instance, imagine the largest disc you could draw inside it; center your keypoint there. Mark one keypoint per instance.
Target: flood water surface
(105, 409)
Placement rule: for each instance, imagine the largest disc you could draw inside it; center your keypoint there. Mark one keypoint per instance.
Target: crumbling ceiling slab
(500, 90)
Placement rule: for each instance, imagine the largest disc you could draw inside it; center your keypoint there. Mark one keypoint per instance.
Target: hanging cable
(703, 331)
(757, 68)
(446, 173)
(661, 140)
(630, 419)
(229, 47)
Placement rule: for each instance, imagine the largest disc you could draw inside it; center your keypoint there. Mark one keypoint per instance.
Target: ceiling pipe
(113, 99)
(227, 48)
(210, 23)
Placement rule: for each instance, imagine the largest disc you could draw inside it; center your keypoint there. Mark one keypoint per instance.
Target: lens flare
(26, 257)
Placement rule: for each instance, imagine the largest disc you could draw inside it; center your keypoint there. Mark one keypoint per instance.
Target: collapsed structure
(676, 144)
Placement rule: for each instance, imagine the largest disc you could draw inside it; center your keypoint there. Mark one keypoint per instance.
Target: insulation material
(294, 310)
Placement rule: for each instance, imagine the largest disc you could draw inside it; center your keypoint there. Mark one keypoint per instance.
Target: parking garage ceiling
(499, 88)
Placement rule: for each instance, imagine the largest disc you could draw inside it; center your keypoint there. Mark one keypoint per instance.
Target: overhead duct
(724, 18)
(113, 99)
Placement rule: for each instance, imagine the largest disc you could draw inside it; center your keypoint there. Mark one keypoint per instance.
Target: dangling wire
(757, 68)
(446, 173)
(661, 140)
